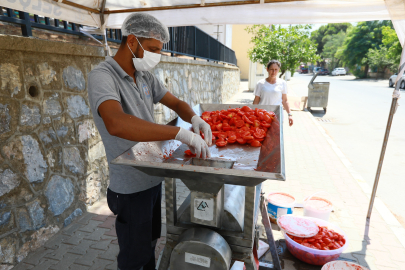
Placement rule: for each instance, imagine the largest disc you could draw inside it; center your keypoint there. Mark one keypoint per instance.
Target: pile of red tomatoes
(242, 125)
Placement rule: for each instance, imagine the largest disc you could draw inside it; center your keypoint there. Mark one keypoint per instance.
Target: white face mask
(149, 60)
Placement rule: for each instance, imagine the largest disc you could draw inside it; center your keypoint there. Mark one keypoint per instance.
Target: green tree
(290, 46)
(332, 45)
(323, 34)
(360, 39)
(379, 59)
(394, 48)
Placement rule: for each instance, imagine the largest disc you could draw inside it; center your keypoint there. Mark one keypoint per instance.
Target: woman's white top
(271, 94)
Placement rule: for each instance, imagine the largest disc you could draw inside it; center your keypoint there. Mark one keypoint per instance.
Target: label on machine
(198, 260)
(204, 209)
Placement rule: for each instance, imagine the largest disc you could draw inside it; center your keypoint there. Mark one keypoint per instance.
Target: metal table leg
(167, 252)
(250, 263)
(269, 233)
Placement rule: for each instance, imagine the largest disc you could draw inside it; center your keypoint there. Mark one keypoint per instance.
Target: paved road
(358, 112)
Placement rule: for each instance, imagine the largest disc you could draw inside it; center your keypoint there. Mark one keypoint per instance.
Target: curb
(379, 205)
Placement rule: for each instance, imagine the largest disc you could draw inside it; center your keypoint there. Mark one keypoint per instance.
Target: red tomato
(215, 120)
(252, 118)
(239, 123)
(246, 109)
(247, 120)
(219, 127)
(207, 118)
(248, 137)
(264, 124)
(241, 140)
(267, 118)
(241, 113)
(189, 153)
(232, 138)
(256, 143)
(232, 110)
(256, 123)
(222, 135)
(221, 142)
(231, 141)
(215, 133)
(259, 134)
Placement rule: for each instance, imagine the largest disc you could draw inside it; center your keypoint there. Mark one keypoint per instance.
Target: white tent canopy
(200, 12)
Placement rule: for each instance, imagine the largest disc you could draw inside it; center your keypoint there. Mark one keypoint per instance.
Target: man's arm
(187, 114)
(132, 128)
(180, 107)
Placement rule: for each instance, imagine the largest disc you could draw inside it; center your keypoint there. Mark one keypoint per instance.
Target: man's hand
(201, 125)
(195, 142)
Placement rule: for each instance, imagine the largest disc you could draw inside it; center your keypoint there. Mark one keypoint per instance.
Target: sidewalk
(311, 165)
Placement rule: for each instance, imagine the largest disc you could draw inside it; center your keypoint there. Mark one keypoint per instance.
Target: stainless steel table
(217, 222)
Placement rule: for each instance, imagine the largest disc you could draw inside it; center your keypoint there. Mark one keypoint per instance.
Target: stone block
(76, 106)
(55, 158)
(73, 160)
(48, 136)
(51, 104)
(6, 221)
(78, 212)
(8, 249)
(34, 246)
(96, 152)
(24, 220)
(9, 115)
(26, 156)
(87, 132)
(73, 79)
(65, 129)
(60, 194)
(37, 214)
(90, 188)
(8, 181)
(50, 75)
(11, 79)
(30, 116)
(36, 167)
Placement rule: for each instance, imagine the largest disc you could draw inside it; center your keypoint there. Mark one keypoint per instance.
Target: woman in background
(273, 90)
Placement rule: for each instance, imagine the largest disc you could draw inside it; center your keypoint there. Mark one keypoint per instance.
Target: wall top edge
(32, 44)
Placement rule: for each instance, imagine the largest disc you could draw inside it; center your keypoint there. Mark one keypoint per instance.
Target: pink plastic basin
(341, 265)
(315, 256)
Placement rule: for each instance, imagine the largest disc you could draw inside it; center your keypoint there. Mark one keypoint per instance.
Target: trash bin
(318, 94)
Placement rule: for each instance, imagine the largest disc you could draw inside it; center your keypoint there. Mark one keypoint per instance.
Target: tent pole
(380, 162)
(102, 9)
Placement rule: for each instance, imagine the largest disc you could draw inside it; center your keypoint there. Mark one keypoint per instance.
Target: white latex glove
(199, 124)
(195, 142)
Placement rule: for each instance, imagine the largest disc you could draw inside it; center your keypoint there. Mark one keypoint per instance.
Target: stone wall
(52, 159)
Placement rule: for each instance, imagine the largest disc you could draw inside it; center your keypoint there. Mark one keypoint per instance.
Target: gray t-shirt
(108, 81)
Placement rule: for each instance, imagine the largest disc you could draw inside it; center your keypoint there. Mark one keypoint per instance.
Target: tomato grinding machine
(216, 223)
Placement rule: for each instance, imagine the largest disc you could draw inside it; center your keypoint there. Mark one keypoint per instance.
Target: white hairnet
(146, 26)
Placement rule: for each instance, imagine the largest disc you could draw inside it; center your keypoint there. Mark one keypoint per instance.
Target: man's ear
(132, 42)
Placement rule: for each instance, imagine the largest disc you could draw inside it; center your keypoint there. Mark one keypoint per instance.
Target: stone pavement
(311, 165)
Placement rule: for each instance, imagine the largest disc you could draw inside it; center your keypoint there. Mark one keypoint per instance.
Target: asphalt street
(356, 120)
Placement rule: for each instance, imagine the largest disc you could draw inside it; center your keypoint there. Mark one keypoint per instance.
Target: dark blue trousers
(138, 226)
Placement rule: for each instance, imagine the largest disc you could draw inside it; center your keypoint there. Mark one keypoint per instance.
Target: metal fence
(188, 40)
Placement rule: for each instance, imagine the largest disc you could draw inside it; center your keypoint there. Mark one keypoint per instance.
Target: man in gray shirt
(122, 93)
